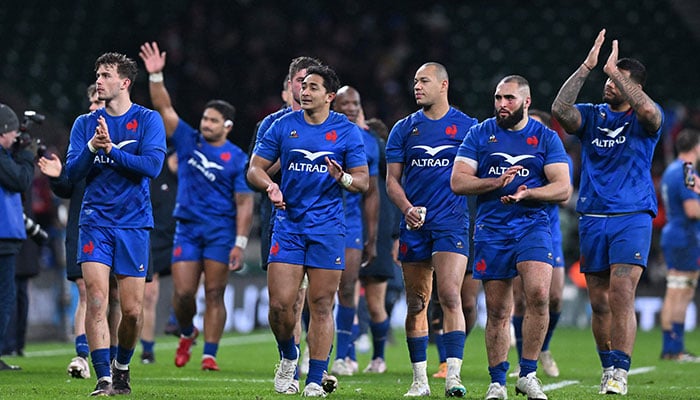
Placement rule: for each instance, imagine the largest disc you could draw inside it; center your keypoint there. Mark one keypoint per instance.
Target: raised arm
(563, 106)
(648, 113)
(154, 61)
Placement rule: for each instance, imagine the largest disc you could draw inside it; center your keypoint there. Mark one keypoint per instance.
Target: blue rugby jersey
(427, 150)
(117, 192)
(314, 200)
(495, 150)
(208, 176)
(616, 156)
(679, 231)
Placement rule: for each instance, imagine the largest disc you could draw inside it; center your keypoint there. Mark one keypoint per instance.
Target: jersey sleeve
(395, 152)
(355, 155)
(269, 146)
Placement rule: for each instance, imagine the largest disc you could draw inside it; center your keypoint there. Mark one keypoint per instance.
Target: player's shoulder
(459, 115)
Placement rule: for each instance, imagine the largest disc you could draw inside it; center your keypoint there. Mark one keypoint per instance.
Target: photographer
(16, 173)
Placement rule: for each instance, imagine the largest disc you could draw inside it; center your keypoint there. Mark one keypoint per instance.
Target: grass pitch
(247, 368)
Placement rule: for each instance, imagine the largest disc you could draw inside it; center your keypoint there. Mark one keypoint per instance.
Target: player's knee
(416, 304)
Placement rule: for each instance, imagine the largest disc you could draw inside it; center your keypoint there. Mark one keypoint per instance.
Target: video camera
(35, 231)
(25, 139)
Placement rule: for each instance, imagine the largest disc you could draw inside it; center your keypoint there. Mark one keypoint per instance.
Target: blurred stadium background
(239, 51)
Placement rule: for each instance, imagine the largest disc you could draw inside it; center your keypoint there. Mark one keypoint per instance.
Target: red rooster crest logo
(177, 252)
(532, 141)
(88, 248)
(451, 131)
(226, 157)
(332, 136)
(132, 125)
(275, 249)
(481, 265)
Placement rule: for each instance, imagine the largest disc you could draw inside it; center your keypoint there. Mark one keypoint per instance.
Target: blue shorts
(125, 250)
(195, 241)
(498, 259)
(614, 239)
(421, 244)
(685, 259)
(315, 251)
(353, 239)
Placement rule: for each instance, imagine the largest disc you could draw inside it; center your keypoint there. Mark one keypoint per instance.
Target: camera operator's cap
(8, 119)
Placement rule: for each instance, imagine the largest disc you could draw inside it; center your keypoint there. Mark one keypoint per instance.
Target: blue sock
(296, 371)
(147, 346)
(667, 343)
(113, 350)
(418, 348)
(187, 331)
(172, 319)
(498, 373)
(454, 344)
(124, 355)
(527, 366)
(288, 349)
(379, 333)
(81, 346)
(440, 344)
(621, 360)
(100, 362)
(316, 369)
(606, 358)
(210, 349)
(553, 320)
(678, 344)
(355, 334)
(518, 328)
(343, 323)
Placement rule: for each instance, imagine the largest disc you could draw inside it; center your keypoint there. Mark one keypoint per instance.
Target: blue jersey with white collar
(494, 150)
(208, 176)
(314, 200)
(427, 149)
(616, 156)
(117, 192)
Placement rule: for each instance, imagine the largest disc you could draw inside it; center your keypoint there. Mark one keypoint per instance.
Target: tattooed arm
(563, 107)
(648, 113)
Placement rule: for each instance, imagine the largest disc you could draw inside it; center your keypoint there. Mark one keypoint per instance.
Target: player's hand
(610, 66)
(592, 59)
(414, 218)
(50, 165)
(369, 253)
(153, 58)
(510, 174)
(334, 169)
(101, 139)
(275, 195)
(520, 194)
(235, 259)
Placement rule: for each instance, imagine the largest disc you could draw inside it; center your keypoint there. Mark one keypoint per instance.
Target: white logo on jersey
(432, 151)
(206, 163)
(312, 156)
(512, 160)
(124, 143)
(613, 135)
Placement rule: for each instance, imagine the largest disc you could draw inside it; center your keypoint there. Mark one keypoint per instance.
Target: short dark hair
(300, 63)
(330, 79)
(224, 107)
(126, 67)
(687, 139)
(637, 70)
(91, 90)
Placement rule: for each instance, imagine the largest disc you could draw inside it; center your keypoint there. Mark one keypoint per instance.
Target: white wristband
(91, 147)
(156, 77)
(241, 241)
(346, 180)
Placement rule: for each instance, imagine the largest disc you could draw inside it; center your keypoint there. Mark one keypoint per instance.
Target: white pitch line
(640, 370)
(558, 385)
(229, 341)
